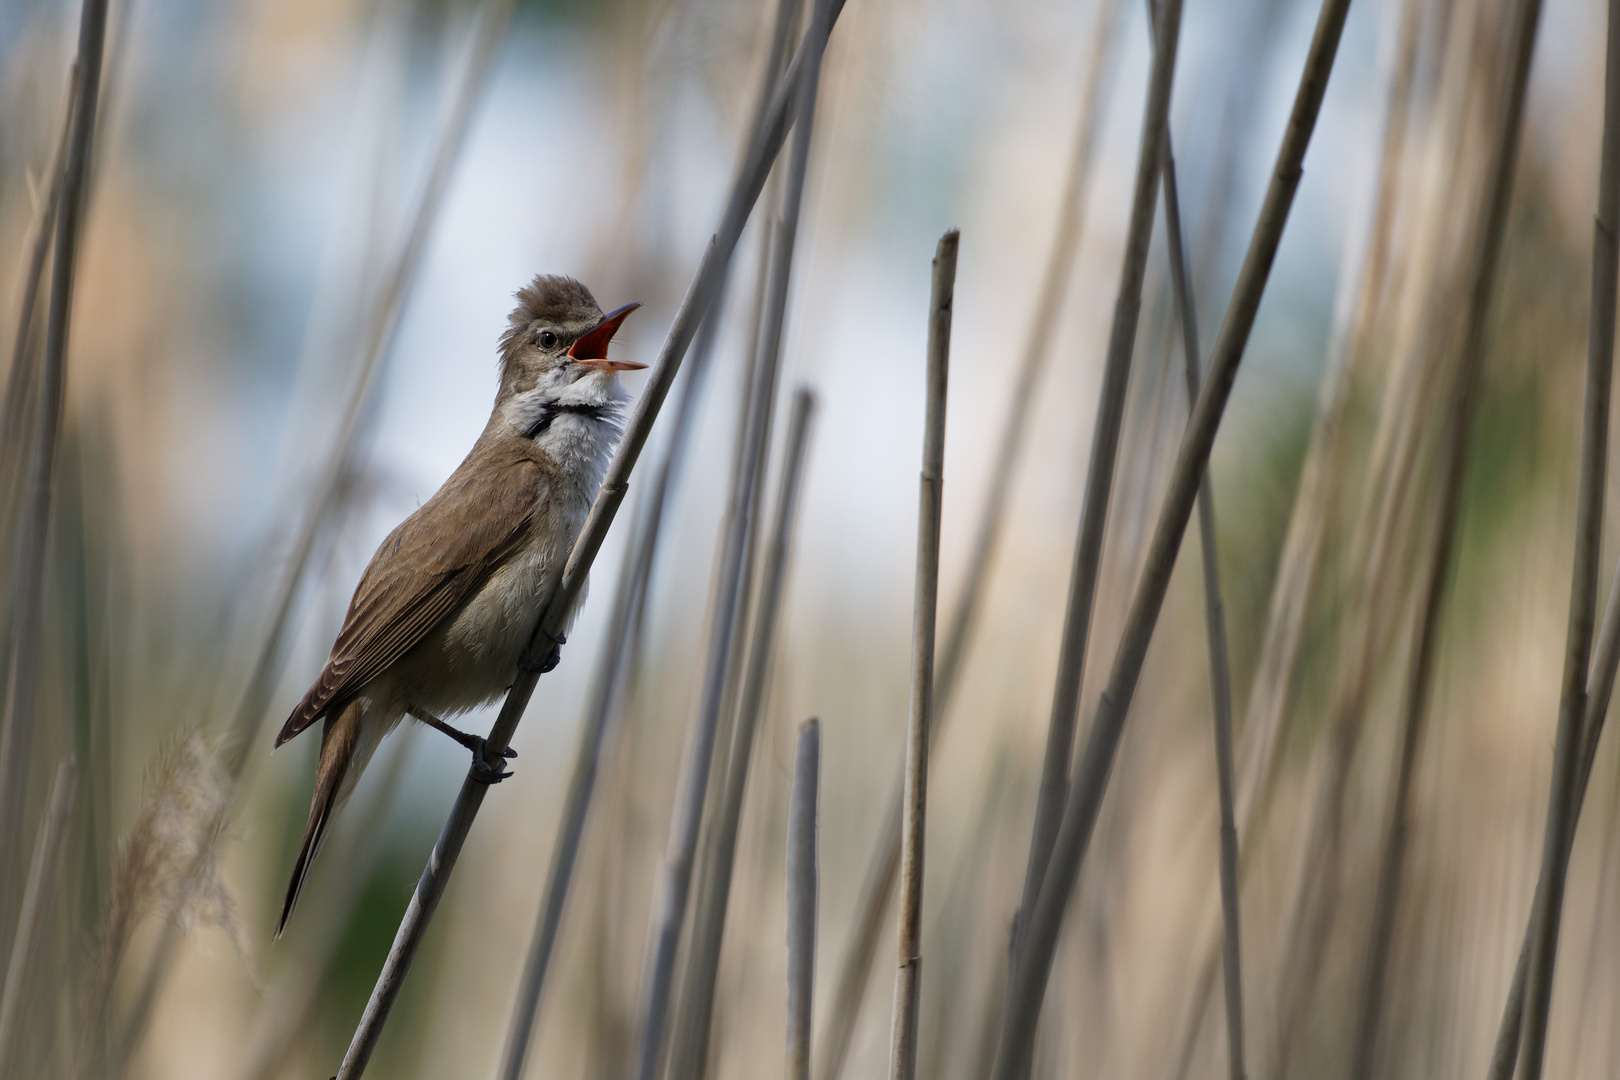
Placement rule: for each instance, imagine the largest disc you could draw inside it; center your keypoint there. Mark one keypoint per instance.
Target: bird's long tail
(340, 742)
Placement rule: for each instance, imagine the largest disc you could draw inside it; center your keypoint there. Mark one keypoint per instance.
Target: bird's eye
(547, 339)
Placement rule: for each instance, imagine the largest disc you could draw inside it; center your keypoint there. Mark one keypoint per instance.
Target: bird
(442, 617)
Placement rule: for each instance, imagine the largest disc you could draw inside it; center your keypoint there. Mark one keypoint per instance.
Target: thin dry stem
(903, 1037)
(801, 897)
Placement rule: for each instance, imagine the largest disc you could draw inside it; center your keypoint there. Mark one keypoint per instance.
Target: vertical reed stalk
(877, 888)
(1030, 973)
(1568, 786)
(903, 1039)
(801, 897)
(616, 664)
(709, 919)
(700, 294)
(36, 895)
(1054, 787)
(39, 493)
(1220, 668)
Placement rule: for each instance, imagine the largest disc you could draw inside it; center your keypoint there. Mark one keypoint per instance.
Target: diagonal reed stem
(700, 295)
(39, 492)
(877, 888)
(801, 897)
(708, 922)
(930, 499)
(1054, 786)
(1220, 668)
(1029, 977)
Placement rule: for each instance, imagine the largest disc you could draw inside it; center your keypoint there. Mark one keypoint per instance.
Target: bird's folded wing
(426, 566)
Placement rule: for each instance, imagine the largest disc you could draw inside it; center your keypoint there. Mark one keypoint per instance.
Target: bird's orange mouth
(590, 349)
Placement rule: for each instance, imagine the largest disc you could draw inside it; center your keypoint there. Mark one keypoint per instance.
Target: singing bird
(441, 620)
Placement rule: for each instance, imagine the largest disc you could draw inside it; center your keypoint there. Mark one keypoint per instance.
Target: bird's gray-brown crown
(557, 332)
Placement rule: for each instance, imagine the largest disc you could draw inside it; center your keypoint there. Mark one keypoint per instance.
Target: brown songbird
(441, 619)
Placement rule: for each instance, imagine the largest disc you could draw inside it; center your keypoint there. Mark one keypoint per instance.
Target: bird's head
(555, 351)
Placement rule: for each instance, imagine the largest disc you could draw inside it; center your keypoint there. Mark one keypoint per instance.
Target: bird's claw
(483, 771)
(528, 663)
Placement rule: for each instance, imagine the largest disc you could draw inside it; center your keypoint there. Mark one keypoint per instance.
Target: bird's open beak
(591, 347)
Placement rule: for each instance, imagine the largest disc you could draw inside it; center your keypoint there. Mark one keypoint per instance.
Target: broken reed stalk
(616, 662)
(724, 631)
(931, 482)
(1029, 976)
(1054, 785)
(1220, 668)
(801, 897)
(700, 294)
(709, 919)
(40, 881)
(39, 491)
(1568, 782)
(877, 888)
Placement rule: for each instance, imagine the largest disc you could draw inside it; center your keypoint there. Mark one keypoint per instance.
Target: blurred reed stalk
(878, 884)
(20, 383)
(724, 638)
(320, 519)
(708, 921)
(36, 508)
(1054, 787)
(1220, 668)
(1568, 782)
(930, 500)
(764, 146)
(1029, 977)
(40, 883)
(801, 897)
(282, 1020)
(1322, 475)
(617, 664)
(1386, 538)
(1457, 428)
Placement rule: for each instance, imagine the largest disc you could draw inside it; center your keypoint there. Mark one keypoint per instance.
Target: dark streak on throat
(551, 412)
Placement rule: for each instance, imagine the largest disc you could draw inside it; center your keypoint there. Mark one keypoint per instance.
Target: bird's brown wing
(426, 566)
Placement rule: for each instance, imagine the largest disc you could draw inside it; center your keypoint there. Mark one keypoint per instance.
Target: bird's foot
(485, 773)
(528, 662)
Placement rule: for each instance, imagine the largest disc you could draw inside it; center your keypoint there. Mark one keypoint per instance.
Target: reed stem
(709, 919)
(801, 897)
(903, 1038)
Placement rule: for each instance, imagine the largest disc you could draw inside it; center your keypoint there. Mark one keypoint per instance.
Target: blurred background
(266, 374)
